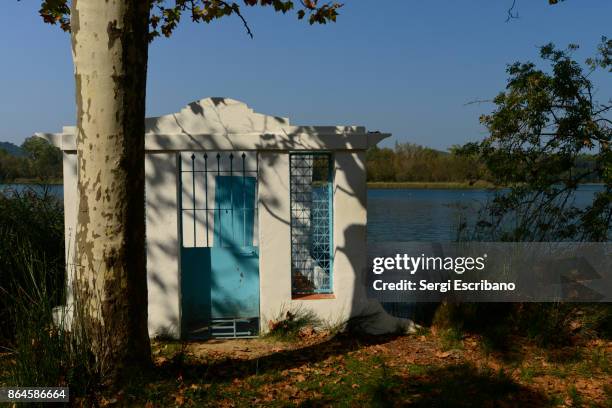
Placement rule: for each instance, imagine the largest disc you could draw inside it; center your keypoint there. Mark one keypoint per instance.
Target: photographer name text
(413, 264)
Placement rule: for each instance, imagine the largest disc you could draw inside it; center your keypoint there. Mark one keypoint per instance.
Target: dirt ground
(426, 369)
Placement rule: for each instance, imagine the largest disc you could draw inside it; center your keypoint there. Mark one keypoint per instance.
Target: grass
(289, 324)
(601, 359)
(558, 372)
(528, 373)
(574, 396)
(416, 369)
(593, 361)
(43, 352)
(363, 382)
(450, 339)
(40, 350)
(349, 370)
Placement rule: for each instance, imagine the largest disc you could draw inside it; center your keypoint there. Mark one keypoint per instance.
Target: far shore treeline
(410, 163)
(36, 160)
(405, 164)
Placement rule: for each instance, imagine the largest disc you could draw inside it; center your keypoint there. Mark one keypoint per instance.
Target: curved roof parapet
(215, 116)
(227, 124)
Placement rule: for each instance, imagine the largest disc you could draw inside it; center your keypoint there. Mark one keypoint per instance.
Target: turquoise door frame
(220, 279)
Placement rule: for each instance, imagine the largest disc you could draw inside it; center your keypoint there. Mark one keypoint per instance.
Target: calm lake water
(419, 214)
(406, 214)
(55, 189)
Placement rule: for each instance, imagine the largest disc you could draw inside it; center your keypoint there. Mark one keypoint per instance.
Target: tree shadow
(458, 385)
(230, 368)
(464, 385)
(453, 385)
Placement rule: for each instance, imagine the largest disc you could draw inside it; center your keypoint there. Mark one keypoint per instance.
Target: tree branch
(512, 15)
(236, 10)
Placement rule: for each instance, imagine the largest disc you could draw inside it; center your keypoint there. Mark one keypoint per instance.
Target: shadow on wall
(161, 206)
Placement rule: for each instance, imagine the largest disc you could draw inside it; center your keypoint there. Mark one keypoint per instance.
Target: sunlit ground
(426, 369)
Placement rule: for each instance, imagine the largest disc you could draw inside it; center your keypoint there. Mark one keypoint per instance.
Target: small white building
(247, 215)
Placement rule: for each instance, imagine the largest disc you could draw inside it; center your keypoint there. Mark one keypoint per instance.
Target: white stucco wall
(274, 235)
(162, 244)
(70, 216)
(349, 239)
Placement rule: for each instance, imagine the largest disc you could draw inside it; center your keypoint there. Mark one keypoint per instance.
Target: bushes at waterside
(31, 237)
(43, 349)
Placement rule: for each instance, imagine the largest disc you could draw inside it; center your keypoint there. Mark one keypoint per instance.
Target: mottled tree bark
(110, 50)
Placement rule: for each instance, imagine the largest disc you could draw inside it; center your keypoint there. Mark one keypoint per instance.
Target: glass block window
(311, 222)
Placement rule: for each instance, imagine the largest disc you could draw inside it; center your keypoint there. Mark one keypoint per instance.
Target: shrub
(289, 323)
(31, 232)
(44, 350)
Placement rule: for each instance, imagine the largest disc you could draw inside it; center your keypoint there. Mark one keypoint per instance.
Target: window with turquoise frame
(311, 189)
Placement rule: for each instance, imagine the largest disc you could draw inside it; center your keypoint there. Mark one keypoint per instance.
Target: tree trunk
(110, 50)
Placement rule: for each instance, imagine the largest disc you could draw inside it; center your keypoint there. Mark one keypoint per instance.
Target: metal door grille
(311, 222)
(199, 208)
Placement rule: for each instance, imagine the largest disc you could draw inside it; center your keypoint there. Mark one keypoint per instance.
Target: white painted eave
(227, 124)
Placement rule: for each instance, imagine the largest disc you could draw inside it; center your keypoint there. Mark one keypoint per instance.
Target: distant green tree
(5, 168)
(13, 167)
(380, 164)
(42, 161)
(45, 159)
(547, 136)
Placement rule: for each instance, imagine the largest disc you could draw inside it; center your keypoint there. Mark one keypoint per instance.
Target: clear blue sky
(400, 66)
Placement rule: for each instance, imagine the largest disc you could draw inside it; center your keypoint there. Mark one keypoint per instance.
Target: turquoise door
(220, 281)
(233, 257)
